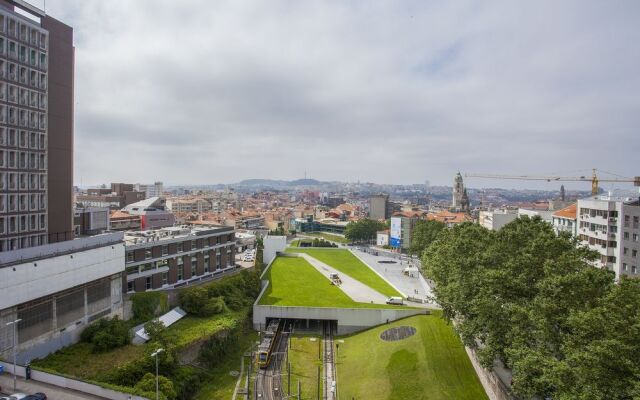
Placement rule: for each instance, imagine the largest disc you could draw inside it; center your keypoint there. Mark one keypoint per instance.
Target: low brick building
(177, 256)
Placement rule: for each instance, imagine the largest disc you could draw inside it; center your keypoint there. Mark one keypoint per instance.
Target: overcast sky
(198, 92)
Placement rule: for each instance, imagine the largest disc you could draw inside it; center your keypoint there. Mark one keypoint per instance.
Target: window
(147, 267)
(634, 253)
(165, 278)
(147, 254)
(147, 283)
(625, 251)
(626, 236)
(180, 272)
(130, 256)
(132, 270)
(624, 267)
(194, 264)
(193, 244)
(633, 269)
(130, 287)
(165, 250)
(180, 247)
(635, 237)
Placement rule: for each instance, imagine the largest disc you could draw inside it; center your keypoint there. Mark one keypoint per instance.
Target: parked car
(395, 300)
(18, 396)
(37, 396)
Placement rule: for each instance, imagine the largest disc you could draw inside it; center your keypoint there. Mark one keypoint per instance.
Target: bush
(193, 300)
(106, 334)
(147, 305)
(165, 386)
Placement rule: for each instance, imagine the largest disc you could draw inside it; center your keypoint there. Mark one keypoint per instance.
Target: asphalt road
(52, 392)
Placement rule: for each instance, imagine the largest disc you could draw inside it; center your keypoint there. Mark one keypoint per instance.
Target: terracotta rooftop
(567, 212)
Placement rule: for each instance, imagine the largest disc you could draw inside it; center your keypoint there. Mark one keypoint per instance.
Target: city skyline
(383, 93)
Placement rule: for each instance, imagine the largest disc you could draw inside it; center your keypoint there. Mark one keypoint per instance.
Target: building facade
(379, 207)
(610, 225)
(36, 128)
(177, 256)
(495, 220)
(56, 290)
(565, 220)
(90, 220)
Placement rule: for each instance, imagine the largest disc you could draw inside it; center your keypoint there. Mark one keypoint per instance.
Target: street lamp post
(15, 329)
(155, 354)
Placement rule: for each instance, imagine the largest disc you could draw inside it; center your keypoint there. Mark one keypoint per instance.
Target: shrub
(193, 300)
(147, 305)
(106, 334)
(165, 386)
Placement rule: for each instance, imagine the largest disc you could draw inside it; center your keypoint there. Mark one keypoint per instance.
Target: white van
(395, 300)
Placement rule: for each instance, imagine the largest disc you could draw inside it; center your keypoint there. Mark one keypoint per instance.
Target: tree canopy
(424, 233)
(363, 230)
(532, 299)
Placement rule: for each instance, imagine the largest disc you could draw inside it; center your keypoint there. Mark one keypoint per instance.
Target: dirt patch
(398, 333)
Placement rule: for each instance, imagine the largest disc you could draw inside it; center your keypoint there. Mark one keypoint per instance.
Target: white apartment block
(611, 226)
(495, 220)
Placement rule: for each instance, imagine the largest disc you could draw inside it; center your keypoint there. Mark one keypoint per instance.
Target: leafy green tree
(424, 233)
(533, 300)
(193, 300)
(148, 384)
(363, 230)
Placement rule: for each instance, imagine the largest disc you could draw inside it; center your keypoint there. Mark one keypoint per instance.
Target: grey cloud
(204, 92)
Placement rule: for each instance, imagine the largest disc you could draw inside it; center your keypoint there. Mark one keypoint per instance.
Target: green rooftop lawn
(344, 261)
(295, 282)
(432, 364)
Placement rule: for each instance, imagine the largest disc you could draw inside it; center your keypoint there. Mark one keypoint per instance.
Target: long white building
(611, 226)
(55, 290)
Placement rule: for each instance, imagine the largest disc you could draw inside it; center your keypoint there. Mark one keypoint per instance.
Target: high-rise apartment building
(610, 225)
(36, 127)
(379, 207)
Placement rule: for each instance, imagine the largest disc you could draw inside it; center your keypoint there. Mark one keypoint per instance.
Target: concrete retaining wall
(496, 390)
(349, 319)
(73, 384)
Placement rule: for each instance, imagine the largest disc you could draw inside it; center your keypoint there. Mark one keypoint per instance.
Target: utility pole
(155, 354)
(15, 332)
(318, 383)
(288, 377)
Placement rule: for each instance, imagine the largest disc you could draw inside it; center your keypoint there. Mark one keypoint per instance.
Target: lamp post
(155, 354)
(15, 329)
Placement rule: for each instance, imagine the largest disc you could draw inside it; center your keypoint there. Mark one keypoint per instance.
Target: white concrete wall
(32, 280)
(68, 383)
(349, 319)
(273, 244)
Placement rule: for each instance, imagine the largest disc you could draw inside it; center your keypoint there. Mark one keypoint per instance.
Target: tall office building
(36, 127)
(379, 206)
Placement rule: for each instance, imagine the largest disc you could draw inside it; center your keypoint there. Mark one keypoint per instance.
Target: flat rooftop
(173, 232)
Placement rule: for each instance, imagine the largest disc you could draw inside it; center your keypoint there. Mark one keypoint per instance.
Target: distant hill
(277, 183)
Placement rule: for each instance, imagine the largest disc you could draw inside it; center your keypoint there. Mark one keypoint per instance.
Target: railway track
(268, 384)
(329, 375)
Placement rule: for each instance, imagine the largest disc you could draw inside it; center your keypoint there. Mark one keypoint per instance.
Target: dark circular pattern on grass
(398, 333)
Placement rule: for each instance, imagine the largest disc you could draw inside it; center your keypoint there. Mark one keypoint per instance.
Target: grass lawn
(220, 384)
(345, 261)
(432, 364)
(295, 282)
(303, 356)
(78, 360)
(329, 236)
(190, 329)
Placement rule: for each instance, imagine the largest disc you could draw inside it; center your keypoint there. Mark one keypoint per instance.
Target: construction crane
(594, 179)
